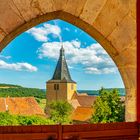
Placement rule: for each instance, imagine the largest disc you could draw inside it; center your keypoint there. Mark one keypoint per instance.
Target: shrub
(108, 107)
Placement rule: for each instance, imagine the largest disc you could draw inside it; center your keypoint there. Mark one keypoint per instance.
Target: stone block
(29, 9)
(124, 34)
(130, 105)
(2, 35)
(46, 6)
(91, 10)
(127, 57)
(132, 6)
(110, 16)
(74, 7)
(128, 74)
(10, 17)
(59, 4)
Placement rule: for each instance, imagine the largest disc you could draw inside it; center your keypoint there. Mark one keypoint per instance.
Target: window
(56, 86)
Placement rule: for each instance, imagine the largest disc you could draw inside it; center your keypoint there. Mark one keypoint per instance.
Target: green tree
(22, 92)
(33, 120)
(9, 119)
(60, 112)
(108, 107)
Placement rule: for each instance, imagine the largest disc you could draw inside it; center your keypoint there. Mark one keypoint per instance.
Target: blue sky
(30, 59)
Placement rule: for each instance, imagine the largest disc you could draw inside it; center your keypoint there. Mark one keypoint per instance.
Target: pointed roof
(61, 71)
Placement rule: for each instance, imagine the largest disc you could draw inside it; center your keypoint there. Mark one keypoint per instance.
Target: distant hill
(9, 90)
(3, 85)
(122, 91)
(96, 92)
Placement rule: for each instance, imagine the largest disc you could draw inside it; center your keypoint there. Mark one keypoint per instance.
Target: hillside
(9, 90)
(3, 85)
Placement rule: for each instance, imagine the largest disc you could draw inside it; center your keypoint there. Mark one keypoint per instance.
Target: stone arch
(118, 37)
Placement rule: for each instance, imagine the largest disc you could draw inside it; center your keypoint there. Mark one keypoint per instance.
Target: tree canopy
(60, 111)
(22, 92)
(9, 119)
(108, 107)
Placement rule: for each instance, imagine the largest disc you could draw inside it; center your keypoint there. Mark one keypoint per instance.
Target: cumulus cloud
(5, 57)
(92, 70)
(17, 66)
(94, 58)
(41, 33)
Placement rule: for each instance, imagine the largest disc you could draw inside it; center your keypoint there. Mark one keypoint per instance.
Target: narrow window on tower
(56, 86)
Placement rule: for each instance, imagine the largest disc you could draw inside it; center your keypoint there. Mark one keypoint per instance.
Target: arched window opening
(62, 55)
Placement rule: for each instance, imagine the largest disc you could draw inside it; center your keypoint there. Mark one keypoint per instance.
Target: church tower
(61, 86)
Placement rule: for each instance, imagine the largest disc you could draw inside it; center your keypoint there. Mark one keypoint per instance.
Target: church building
(61, 86)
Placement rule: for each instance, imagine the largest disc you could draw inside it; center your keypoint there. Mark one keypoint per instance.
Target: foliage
(22, 92)
(33, 120)
(41, 102)
(108, 107)
(8, 119)
(60, 112)
(8, 85)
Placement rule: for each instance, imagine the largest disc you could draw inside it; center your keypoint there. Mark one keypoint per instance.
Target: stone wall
(111, 22)
(64, 92)
(71, 89)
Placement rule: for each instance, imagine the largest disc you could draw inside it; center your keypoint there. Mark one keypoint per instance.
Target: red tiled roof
(20, 106)
(85, 100)
(82, 113)
(74, 103)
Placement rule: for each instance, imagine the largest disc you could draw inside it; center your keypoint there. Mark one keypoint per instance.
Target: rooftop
(82, 113)
(20, 106)
(61, 71)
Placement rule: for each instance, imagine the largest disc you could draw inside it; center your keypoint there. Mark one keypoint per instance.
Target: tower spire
(61, 70)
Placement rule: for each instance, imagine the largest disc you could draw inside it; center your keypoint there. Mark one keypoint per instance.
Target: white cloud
(5, 57)
(17, 66)
(67, 29)
(94, 58)
(41, 33)
(92, 70)
(76, 43)
(70, 67)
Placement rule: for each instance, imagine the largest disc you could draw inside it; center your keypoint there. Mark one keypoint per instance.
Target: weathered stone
(132, 6)
(124, 34)
(110, 16)
(128, 74)
(2, 35)
(126, 61)
(74, 7)
(59, 4)
(130, 105)
(133, 44)
(91, 10)
(46, 6)
(29, 9)
(9, 17)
